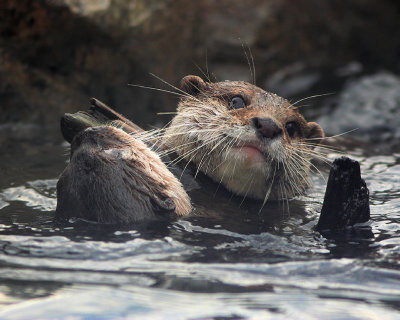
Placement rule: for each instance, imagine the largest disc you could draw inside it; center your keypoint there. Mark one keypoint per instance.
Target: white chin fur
(248, 177)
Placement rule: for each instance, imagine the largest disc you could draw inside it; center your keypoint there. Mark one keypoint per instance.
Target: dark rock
(346, 199)
(52, 60)
(56, 53)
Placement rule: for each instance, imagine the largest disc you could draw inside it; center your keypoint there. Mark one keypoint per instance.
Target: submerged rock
(346, 199)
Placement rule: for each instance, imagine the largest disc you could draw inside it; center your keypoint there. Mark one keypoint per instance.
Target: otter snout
(266, 128)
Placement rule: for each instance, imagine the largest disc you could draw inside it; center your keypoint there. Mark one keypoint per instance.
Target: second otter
(115, 178)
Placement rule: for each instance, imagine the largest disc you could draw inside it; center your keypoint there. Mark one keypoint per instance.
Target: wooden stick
(99, 114)
(99, 107)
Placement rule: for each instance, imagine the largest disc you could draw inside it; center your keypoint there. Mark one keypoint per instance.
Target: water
(231, 264)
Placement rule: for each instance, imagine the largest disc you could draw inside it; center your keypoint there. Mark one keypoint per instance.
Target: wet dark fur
(114, 178)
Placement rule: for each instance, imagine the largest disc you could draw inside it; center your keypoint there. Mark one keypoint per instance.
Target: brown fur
(114, 177)
(206, 132)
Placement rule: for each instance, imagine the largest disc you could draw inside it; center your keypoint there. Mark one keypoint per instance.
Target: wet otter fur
(114, 177)
(253, 142)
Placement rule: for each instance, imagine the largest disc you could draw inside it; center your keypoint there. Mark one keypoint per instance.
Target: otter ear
(193, 85)
(315, 132)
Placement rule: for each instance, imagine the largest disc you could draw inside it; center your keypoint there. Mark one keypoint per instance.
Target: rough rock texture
(371, 106)
(54, 54)
(52, 60)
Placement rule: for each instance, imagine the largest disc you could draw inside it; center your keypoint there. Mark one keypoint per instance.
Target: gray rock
(370, 106)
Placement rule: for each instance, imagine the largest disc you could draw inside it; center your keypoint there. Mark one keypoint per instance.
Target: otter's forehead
(255, 95)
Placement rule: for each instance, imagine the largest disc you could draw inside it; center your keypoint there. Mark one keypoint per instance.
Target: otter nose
(266, 127)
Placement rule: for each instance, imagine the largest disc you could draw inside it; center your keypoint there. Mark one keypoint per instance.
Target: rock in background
(371, 105)
(55, 54)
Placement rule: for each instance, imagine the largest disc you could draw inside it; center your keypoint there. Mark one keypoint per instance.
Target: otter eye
(292, 127)
(236, 103)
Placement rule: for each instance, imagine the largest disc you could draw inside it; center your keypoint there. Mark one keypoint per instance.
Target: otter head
(253, 142)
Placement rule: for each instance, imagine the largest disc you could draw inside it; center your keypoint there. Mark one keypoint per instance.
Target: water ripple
(198, 268)
(39, 194)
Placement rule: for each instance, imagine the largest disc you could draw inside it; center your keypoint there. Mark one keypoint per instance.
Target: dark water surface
(233, 264)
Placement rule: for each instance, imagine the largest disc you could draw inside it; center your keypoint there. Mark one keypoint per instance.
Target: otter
(114, 177)
(254, 143)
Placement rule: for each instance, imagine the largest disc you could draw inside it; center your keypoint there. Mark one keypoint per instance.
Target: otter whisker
(180, 147)
(185, 167)
(208, 73)
(321, 158)
(316, 155)
(219, 164)
(166, 113)
(168, 151)
(314, 96)
(210, 140)
(224, 160)
(184, 93)
(155, 89)
(268, 192)
(335, 136)
(284, 198)
(301, 158)
(291, 177)
(236, 160)
(254, 67)
(234, 168)
(250, 182)
(251, 66)
(201, 70)
(229, 147)
(309, 149)
(299, 164)
(292, 169)
(185, 155)
(208, 154)
(177, 134)
(233, 142)
(185, 131)
(311, 146)
(198, 126)
(155, 132)
(222, 176)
